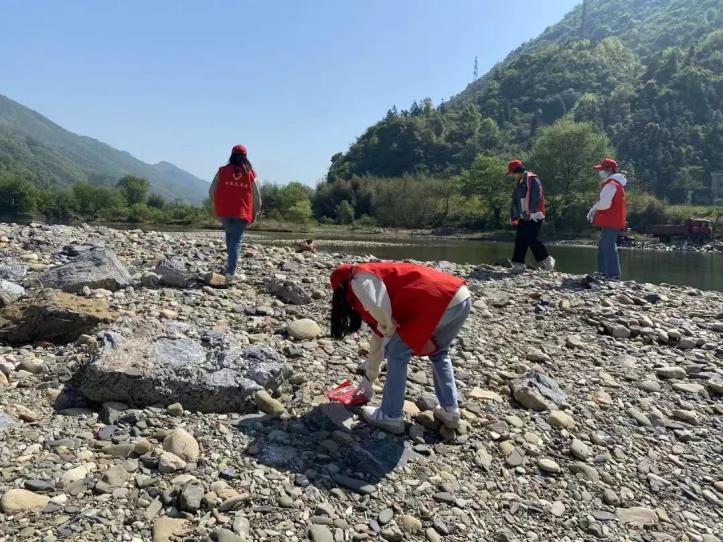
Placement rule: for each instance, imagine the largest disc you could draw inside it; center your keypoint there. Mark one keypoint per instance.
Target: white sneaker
(449, 417)
(374, 416)
(548, 264)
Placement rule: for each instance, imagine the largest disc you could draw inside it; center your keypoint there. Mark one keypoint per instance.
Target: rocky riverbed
(141, 399)
(651, 243)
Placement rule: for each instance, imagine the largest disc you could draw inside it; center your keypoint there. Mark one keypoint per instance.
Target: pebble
(268, 404)
(579, 449)
(560, 419)
(573, 464)
(176, 409)
(548, 465)
(385, 516)
(587, 472)
(320, 533)
(165, 527)
(671, 372)
(182, 444)
(168, 463)
(410, 524)
(303, 329)
(22, 500)
(637, 516)
(557, 509)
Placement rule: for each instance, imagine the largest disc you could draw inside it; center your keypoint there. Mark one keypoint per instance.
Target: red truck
(693, 229)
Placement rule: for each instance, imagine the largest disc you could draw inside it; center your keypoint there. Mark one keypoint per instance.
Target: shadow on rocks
(324, 447)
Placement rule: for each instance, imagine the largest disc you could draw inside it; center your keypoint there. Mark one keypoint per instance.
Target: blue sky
(294, 81)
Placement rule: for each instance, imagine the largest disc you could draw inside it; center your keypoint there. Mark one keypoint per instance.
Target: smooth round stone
(651, 386)
(560, 419)
(548, 465)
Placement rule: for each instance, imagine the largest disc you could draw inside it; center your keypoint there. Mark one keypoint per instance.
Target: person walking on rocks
(236, 200)
(412, 310)
(528, 214)
(609, 214)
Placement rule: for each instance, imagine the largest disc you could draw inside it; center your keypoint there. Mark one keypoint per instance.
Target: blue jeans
(398, 355)
(608, 262)
(235, 228)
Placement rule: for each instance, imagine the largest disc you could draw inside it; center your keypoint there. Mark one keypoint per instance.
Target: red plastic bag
(347, 393)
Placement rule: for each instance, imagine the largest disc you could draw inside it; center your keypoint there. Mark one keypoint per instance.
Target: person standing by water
(236, 200)
(528, 214)
(609, 214)
(413, 310)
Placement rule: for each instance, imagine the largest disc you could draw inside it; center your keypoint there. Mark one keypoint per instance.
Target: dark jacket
(519, 209)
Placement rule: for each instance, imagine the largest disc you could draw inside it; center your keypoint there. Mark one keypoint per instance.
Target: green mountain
(34, 148)
(647, 72)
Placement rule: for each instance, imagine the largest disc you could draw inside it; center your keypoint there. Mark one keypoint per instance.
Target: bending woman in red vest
(609, 214)
(412, 310)
(237, 200)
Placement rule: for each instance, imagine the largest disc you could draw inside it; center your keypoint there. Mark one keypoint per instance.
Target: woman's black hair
(519, 169)
(241, 163)
(344, 319)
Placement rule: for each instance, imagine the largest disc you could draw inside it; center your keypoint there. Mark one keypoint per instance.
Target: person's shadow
(324, 447)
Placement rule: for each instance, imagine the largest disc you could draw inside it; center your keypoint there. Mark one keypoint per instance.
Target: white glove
(591, 213)
(365, 389)
(538, 216)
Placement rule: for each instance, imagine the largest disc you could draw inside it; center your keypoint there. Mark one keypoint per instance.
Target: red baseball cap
(608, 163)
(513, 165)
(238, 149)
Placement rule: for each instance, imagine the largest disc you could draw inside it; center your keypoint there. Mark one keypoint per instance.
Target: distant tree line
(128, 200)
(475, 198)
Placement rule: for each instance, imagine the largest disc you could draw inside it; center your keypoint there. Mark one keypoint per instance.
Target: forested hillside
(36, 150)
(647, 73)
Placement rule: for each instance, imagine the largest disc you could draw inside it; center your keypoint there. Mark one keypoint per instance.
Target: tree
(299, 211)
(156, 201)
(563, 156)
(344, 213)
(17, 197)
(134, 189)
(92, 200)
(485, 179)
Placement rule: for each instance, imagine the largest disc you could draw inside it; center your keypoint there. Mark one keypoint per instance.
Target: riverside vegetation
(476, 199)
(143, 399)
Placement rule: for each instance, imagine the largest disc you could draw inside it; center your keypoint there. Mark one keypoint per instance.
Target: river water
(700, 270)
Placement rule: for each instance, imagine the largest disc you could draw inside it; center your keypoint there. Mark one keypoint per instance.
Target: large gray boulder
(537, 391)
(287, 291)
(14, 272)
(94, 269)
(10, 292)
(206, 372)
(51, 316)
(172, 272)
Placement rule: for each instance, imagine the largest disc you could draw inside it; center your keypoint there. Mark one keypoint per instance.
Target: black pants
(527, 233)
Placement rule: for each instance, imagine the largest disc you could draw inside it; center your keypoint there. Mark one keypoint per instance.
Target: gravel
(589, 411)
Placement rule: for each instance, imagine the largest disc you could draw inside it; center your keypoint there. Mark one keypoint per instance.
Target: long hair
(344, 319)
(240, 163)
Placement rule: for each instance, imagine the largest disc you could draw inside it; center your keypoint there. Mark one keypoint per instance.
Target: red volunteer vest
(234, 196)
(616, 215)
(419, 297)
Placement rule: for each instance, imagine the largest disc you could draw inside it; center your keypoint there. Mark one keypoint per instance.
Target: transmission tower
(475, 69)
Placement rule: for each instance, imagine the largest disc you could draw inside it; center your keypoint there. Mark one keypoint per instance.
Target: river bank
(623, 443)
(326, 231)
